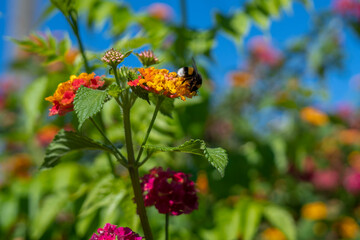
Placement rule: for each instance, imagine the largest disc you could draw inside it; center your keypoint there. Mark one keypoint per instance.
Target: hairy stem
(157, 108)
(133, 171)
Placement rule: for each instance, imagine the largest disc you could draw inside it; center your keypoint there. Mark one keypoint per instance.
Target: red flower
(171, 192)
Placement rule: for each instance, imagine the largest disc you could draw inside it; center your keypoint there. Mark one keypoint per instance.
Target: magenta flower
(352, 182)
(112, 232)
(326, 180)
(171, 192)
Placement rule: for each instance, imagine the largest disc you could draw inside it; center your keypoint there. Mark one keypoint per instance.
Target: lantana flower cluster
(112, 232)
(171, 192)
(348, 8)
(147, 58)
(64, 95)
(113, 57)
(163, 82)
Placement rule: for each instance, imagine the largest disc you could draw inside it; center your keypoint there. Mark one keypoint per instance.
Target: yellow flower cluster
(348, 228)
(272, 234)
(313, 116)
(314, 211)
(161, 81)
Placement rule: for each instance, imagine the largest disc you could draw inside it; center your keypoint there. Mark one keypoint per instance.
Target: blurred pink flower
(264, 52)
(112, 232)
(347, 8)
(352, 181)
(326, 179)
(345, 111)
(171, 192)
(161, 11)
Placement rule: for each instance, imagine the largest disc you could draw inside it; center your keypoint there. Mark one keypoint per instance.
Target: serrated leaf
(217, 157)
(65, 142)
(88, 102)
(282, 220)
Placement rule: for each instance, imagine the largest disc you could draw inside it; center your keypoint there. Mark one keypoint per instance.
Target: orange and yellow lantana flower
(314, 211)
(272, 234)
(161, 81)
(64, 95)
(313, 116)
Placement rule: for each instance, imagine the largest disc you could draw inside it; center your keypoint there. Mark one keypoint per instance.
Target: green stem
(133, 171)
(167, 226)
(183, 13)
(157, 108)
(116, 76)
(75, 28)
(121, 157)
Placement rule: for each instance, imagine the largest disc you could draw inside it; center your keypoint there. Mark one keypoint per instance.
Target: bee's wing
(194, 65)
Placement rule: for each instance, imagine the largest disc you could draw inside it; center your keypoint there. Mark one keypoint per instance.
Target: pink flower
(112, 232)
(326, 179)
(264, 52)
(352, 182)
(161, 11)
(348, 8)
(171, 192)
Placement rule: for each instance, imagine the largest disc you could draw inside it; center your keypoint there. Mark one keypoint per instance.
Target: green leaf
(217, 157)
(251, 219)
(240, 23)
(32, 100)
(279, 148)
(167, 105)
(107, 191)
(88, 102)
(282, 220)
(65, 142)
(114, 90)
(51, 206)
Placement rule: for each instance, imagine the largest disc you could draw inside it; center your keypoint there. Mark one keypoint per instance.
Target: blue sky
(200, 15)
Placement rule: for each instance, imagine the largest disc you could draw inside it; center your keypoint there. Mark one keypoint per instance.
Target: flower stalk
(133, 170)
(157, 108)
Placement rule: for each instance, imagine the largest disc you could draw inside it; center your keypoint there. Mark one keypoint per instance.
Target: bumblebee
(192, 76)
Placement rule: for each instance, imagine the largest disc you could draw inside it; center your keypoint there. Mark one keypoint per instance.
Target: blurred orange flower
(202, 182)
(349, 136)
(46, 134)
(354, 160)
(18, 166)
(272, 234)
(313, 116)
(241, 79)
(71, 55)
(314, 211)
(348, 228)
